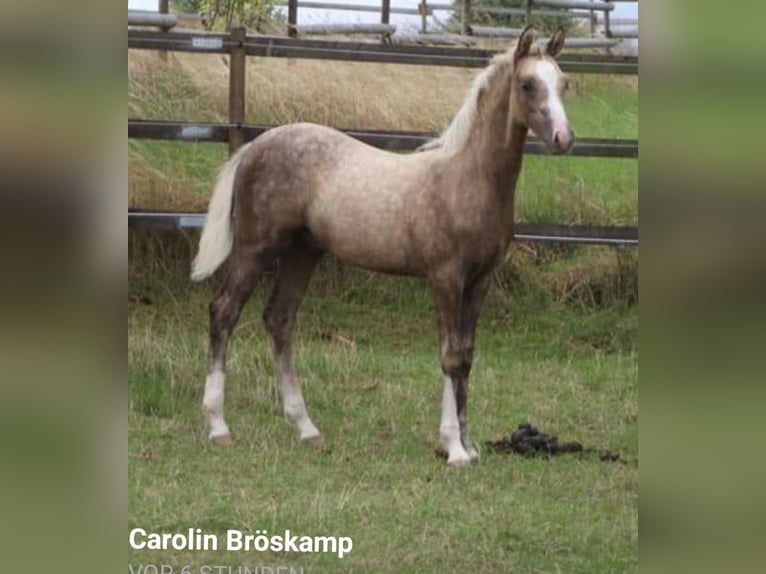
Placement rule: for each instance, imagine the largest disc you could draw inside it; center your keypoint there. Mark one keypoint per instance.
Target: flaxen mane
(454, 138)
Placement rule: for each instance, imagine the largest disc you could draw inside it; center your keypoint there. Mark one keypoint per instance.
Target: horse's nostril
(556, 138)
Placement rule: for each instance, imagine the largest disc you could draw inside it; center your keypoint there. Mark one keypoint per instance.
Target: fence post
(593, 20)
(292, 18)
(607, 27)
(164, 8)
(423, 9)
(385, 12)
(529, 13)
(465, 28)
(237, 59)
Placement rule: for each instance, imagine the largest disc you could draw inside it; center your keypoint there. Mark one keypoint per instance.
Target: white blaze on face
(549, 75)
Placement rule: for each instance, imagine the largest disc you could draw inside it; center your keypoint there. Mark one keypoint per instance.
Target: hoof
(317, 441)
(222, 440)
(473, 454)
(459, 462)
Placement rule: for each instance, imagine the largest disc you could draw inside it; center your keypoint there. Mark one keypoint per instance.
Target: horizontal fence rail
(154, 19)
(531, 232)
(624, 33)
(426, 39)
(388, 140)
(573, 5)
(282, 47)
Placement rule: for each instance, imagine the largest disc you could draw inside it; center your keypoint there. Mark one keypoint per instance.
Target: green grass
(578, 191)
(570, 369)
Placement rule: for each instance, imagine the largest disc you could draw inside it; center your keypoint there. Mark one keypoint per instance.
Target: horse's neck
(499, 146)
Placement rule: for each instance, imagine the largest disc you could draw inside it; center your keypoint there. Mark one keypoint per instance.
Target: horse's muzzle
(563, 140)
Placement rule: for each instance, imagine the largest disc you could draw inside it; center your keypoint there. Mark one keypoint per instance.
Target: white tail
(217, 236)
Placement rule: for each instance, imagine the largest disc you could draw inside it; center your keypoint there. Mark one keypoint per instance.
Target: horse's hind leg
(225, 309)
(296, 266)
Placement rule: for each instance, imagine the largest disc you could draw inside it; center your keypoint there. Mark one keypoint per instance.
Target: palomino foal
(445, 213)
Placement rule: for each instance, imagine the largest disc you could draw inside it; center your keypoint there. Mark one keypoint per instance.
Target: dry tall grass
(339, 94)
(194, 87)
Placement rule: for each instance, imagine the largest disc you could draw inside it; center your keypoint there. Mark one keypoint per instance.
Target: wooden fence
(238, 45)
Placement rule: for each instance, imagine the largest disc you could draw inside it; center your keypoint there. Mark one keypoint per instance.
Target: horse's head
(538, 86)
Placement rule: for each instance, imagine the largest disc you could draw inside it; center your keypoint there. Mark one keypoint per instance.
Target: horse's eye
(528, 86)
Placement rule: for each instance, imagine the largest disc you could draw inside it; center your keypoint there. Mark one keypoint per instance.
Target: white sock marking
(295, 407)
(449, 429)
(213, 404)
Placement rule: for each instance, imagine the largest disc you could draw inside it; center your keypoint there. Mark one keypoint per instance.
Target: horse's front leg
(455, 364)
(473, 298)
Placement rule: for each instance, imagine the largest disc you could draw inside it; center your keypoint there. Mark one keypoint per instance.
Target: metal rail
(154, 19)
(573, 5)
(624, 33)
(531, 232)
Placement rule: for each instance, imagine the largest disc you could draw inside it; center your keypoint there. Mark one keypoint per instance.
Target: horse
(444, 213)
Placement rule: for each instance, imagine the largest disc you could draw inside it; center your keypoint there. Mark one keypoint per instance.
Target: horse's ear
(524, 44)
(555, 44)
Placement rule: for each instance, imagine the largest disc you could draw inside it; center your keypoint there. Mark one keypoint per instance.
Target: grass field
(366, 353)
(557, 346)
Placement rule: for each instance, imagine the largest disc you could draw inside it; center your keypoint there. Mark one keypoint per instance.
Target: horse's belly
(373, 239)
